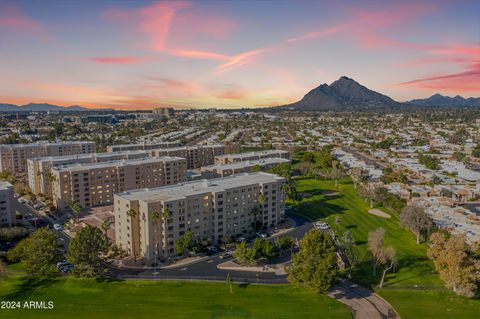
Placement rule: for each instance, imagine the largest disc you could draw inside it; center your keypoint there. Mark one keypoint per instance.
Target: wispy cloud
(119, 59)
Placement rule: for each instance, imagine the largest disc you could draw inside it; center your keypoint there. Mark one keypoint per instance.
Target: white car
(57, 227)
(321, 225)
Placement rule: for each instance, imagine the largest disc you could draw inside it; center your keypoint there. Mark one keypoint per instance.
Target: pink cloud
(119, 59)
(12, 17)
(467, 80)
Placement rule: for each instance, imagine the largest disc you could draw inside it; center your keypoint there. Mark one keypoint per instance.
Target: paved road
(27, 210)
(207, 268)
(364, 303)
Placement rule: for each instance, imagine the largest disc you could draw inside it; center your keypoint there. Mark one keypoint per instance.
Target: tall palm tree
(155, 217)
(165, 215)
(132, 213)
(76, 209)
(106, 224)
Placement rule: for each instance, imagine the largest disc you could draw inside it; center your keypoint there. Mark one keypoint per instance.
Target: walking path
(364, 303)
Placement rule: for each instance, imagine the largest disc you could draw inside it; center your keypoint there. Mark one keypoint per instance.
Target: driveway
(364, 303)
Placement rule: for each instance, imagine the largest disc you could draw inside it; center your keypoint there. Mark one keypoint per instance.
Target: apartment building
(250, 156)
(214, 209)
(39, 168)
(197, 156)
(216, 171)
(141, 146)
(7, 204)
(13, 158)
(94, 184)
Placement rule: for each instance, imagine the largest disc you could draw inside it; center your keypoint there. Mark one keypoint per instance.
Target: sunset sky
(142, 54)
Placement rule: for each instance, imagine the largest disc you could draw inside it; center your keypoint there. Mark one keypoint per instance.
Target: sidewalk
(278, 269)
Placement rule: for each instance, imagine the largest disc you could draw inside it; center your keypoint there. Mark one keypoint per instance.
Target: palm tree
(132, 213)
(165, 215)
(106, 224)
(155, 217)
(76, 209)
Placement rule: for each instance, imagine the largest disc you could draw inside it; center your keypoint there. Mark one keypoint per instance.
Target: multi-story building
(250, 156)
(7, 204)
(215, 209)
(163, 113)
(94, 184)
(141, 146)
(40, 174)
(216, 171)
(13, 158)
(197, 156)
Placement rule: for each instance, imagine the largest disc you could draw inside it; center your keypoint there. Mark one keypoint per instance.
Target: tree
(106, 225)
(183, 244)
(85, 251)
(229, 282)
(384, 256)
(284, 242)
(315, 265)
(347, 245)
(416, 219)
(256, 168)
(76, 209)
(389, 261)
(456, 262)
(375, 247)
(304, 167)
(3, 270)
(39, 252)
(241, 254)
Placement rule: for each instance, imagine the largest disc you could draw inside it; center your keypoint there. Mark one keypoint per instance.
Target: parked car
(212, 250)
(321, 225)
(226, 254)
(262, 234)
(57, 227)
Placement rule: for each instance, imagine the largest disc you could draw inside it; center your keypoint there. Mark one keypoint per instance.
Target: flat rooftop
(87, 155)
(96, 165)
(257, 153)
(192, 147)
(265, 161)
(45, 144)
(181, 190)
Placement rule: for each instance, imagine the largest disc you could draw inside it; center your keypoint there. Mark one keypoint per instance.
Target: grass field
(82, 298)
(414, 290)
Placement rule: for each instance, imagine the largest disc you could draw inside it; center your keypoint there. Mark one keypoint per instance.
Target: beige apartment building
(250, 156)
(215, 209)
(216, 171)
(141, 146)
(94, 184)
(40, 174)
(13, 158)
(197, 156)
(7, 205)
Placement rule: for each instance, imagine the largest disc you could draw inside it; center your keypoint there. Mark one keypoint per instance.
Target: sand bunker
(378, 212)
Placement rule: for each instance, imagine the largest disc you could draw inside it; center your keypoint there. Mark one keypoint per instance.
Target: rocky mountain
(447, 101)
(343, 95)
(45, 107)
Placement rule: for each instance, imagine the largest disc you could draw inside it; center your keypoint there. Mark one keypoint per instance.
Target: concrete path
(364, 303)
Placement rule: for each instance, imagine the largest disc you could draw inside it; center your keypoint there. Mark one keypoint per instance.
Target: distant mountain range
(44, 107)
(442, 100)
(347, 95)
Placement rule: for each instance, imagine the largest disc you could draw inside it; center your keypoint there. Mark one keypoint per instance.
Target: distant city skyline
(144, 54)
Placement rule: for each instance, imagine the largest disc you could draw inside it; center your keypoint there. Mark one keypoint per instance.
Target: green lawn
(82, 298)
(415, 284)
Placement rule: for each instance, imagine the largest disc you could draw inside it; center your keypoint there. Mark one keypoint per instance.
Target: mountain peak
(344, 94)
